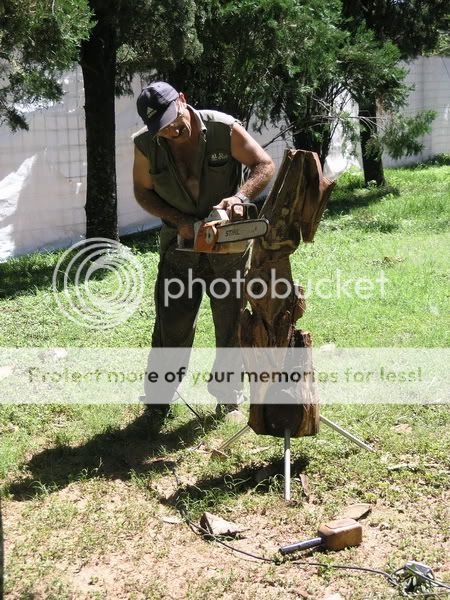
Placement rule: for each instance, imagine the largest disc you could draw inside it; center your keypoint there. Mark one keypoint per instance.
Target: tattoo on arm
(259, 177)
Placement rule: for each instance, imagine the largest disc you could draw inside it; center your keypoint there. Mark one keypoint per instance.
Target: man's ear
(182, 98)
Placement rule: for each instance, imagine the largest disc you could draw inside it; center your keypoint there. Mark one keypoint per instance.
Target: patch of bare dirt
(151, 559)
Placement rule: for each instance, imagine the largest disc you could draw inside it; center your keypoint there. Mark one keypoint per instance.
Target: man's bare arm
(248, 152)
(152, 203)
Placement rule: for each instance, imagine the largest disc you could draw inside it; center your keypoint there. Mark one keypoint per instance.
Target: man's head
(160, 106)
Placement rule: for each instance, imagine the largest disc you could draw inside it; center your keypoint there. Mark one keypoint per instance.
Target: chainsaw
(225, 233)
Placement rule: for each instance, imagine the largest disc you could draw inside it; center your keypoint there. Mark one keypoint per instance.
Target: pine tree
(414, 27)
(38, 40)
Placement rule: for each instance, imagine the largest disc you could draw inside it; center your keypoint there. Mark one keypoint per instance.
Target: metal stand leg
(233, 438)
(287, 464)
(323, 419)
(346, 434)
(287, 448)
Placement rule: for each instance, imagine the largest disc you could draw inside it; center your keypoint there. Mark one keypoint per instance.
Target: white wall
(43, 174)
(431, 78)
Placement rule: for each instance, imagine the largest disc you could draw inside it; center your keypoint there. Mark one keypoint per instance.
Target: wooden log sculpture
(293, 208)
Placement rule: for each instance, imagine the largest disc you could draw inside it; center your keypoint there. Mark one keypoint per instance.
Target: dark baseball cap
(156, 105)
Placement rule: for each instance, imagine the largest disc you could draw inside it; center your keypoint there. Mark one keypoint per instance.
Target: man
(187, 162)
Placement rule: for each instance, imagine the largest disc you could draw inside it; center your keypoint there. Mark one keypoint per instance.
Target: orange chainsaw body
(206, 240)
(219, 234)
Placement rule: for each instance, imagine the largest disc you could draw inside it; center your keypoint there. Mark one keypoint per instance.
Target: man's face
(180, 128)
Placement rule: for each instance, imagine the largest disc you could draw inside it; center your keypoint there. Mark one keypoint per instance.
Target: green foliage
(359, 67)
(410, 28)
(397, 134)
(38, 39)
(368, 68)
(156, 35)
(413, 26)
(41, 38)
(253, 50)
(442, 47)
(400, 136)
(293, 60)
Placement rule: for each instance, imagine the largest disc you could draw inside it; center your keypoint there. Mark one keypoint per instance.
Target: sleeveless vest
(220, 175)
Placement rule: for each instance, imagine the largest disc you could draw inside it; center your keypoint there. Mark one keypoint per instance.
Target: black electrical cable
(292, 561)
(430, 579)
(388, 576)
(385, 574)
(191, 409)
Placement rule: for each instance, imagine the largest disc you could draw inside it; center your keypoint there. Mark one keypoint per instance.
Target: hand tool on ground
(225, 232)
(334, 535)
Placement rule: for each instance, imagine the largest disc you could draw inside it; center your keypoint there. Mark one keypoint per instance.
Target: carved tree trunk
(293, 208)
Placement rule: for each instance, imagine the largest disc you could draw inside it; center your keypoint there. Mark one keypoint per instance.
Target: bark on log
(293, 208)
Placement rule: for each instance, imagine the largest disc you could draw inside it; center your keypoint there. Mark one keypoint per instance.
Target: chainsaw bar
(238, 231)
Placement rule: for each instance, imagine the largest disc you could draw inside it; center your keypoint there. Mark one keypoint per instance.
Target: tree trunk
(303, 140)
(372, 162)
(268, 336)
(313, 132)
(98, 62)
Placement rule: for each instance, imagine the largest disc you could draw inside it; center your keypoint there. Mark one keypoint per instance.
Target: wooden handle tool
(334, 535)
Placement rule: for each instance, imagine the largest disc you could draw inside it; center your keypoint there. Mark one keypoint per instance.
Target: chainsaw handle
(247, 214)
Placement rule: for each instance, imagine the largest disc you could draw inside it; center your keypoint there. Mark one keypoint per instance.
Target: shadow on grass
(348, 197)
(207, 493)
(114, 454)
(120, 454)
(440, 160)
(143, 241)
(351, 193)
(28, 274)
(25, 275)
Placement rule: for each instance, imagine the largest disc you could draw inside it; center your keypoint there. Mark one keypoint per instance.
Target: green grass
(84, 487)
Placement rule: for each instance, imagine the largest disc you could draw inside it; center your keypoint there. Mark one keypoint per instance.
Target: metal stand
(287, 448)
(287, 465)
(346, 434)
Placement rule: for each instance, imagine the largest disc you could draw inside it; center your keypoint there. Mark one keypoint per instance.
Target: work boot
(156, 415)
(222, 410)
(230, 411)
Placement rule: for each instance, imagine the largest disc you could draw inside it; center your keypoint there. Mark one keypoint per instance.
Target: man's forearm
(151, 202)
(260, 175)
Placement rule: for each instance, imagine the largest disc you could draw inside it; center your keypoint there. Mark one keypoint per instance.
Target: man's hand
(227, 203)
(185, 228)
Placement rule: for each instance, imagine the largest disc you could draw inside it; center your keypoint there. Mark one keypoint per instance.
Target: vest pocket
(217, 164)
